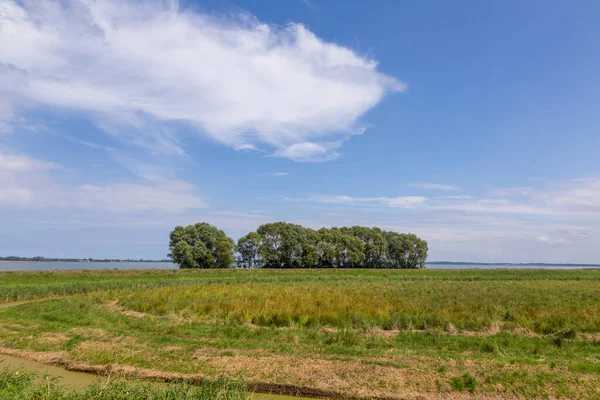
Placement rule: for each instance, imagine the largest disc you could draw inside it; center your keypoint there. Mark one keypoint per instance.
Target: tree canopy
(285, 245)
(201, 246)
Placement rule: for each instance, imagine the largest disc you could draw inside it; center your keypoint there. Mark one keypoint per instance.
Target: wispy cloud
(137, 69)
(26, 183)
(272, 173)
(309, 4)
(579, 197)
(249, 215)
(394, 202)
(89, 144)
(433, 186)
(18, 163)
(511, 192)
(547, 240)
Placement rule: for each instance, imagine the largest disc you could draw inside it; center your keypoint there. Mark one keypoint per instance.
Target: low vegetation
(363, 333)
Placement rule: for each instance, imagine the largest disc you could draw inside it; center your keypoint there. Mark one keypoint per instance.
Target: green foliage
(283, 245)
(405, 250)
(375, 245)
(201, 246)
(248, 248)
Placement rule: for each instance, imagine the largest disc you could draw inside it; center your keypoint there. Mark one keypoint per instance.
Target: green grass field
(358, 333)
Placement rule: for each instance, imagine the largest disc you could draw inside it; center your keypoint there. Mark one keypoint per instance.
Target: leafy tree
(201, 246)
(248, 248)
(281, 245)
(310, 256)
(423, 250)
(326, 251)
(416, 253)
(350, 250)
(224, 252)
(395, 257)
(405, 250)
(375, 245)
(338, 248)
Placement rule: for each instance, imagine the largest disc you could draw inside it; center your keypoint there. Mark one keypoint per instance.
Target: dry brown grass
(94, 333)
(52, 338)
(172, 348)
(114, 306)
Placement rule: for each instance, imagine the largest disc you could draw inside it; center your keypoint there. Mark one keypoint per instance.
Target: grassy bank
(356, 332)
(18, 384)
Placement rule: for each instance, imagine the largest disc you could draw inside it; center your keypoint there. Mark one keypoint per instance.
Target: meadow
(318, 332)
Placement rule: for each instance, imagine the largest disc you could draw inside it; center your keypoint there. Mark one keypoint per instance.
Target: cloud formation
(433, 186)
(394, 202)
(137, 68)
(575, 198)
(16, 163)
(25, 182)
(547, 240)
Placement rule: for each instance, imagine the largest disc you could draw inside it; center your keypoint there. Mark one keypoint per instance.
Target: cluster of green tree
(284, 245)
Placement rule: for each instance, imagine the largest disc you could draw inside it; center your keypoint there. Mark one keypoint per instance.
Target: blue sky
(472, 124)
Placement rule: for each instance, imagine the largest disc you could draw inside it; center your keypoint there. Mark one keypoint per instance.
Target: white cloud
(167, 198)
(433, 186)
(547, 240)
(309, 152)
(15, 163)
(578, 198)
(87, 143)
(579, 194)
(25, 183)
(175, 198)
(246, 147)
(271, 173)
(459, 197)
(514, 192)
(136, 68)
(250, 215)
(497, 206)
(392, 202)
(6, 114)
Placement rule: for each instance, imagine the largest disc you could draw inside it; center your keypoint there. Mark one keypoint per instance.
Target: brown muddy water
(79, 380)
(71, 379)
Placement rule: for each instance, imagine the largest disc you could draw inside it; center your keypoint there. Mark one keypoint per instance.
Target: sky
(475, 125)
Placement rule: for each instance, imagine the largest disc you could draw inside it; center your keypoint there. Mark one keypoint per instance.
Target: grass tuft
(463, 383)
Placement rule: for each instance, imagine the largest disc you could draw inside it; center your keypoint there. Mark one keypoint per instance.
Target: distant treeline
(44, 259)
(284, 245)
(515, 264)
